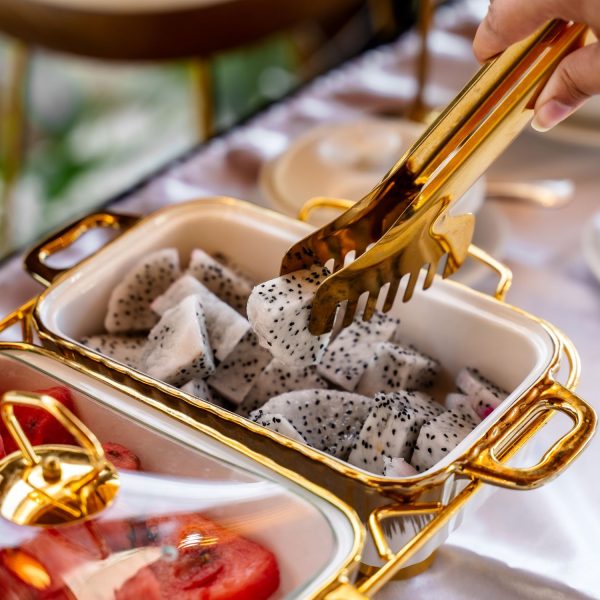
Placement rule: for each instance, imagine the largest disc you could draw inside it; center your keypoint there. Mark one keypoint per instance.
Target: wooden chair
(139, 30)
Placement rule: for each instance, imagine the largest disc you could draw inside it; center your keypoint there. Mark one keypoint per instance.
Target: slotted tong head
(404, 224)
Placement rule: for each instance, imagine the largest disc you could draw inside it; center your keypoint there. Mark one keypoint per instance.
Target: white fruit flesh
(329, 420)
(126, 349)
(391, 368)
(225, 326)
(225, 282)
(279, 312)
(277, 379)
(235, 376)
(346, 359)
(280, 424)
(178, 348)
(129, 304)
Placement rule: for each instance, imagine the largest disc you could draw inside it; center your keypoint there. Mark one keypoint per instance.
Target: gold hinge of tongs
(403, 224)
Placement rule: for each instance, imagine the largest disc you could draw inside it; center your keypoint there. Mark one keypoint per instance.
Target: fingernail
(550, 114)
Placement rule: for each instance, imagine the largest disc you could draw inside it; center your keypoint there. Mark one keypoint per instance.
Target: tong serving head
(405, 224)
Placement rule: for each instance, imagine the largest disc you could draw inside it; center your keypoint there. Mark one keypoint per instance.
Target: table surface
(533, 545)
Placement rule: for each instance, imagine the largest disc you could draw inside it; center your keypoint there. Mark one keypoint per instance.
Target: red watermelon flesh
(13, 588)
(143, 585)
(213, 563)
(57, 553)
(121, 457)
(40, 426)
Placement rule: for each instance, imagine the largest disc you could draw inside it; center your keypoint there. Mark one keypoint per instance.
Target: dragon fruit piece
(124, 348)
(277, 379)
(278, 423)
(224, 325)
(129, 304)
(346, 358)
(392, 368)
(178, 348)
(329, 420)
(485, 395)
(391, 429)
(439, 436)
(486, 412)
(235, 376)
(425, 406)
(225, 282)
(197, 388)
(463, 404)
(228, 262)
(397, 467)
(279, 312)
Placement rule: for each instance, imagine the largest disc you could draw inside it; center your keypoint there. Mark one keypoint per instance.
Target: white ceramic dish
(450, 321)
(345, 160)
(286, 517)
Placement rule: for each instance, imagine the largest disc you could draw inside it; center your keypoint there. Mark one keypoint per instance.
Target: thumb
(574, 81)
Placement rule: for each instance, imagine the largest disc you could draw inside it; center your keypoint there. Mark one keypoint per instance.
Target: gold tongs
(403, 225)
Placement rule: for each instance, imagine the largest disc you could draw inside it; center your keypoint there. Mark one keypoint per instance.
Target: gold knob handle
(50, 485)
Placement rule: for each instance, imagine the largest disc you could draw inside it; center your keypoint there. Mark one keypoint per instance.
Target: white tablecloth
(543, 544)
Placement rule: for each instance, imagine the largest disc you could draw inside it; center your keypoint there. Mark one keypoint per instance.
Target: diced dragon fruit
(329, 420)
(178, 348)
(235, 376)
(485, 395)
(225, 282)
(224, 325)
(439, 436)
(129, 304)
(391, 368)
(277, 379)
(391, 429)
(347, 357)
(124, 348)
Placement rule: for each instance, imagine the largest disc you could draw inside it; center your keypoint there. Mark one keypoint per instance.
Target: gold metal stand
(419, 111)
(203, 93)
(12, 139)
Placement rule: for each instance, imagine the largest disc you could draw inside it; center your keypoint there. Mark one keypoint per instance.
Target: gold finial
(50, 485)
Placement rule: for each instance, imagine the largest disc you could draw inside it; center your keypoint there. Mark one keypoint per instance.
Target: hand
(576, 78)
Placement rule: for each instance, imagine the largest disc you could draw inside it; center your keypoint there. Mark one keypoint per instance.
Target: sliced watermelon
(121, 457)
(143, 585)
(213, 563)
(40, 426)
(13, 588)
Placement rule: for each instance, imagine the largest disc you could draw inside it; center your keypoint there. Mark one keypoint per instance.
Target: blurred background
(86, 114)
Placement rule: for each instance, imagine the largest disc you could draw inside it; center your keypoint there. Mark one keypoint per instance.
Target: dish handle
(518, 426)
(440, 514)
(35, 261)
(505, 275)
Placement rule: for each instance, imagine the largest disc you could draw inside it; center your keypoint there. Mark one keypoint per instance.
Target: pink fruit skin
(486, 412)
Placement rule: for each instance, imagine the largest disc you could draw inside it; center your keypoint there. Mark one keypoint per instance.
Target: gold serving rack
(404, 224)
(376, 499)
